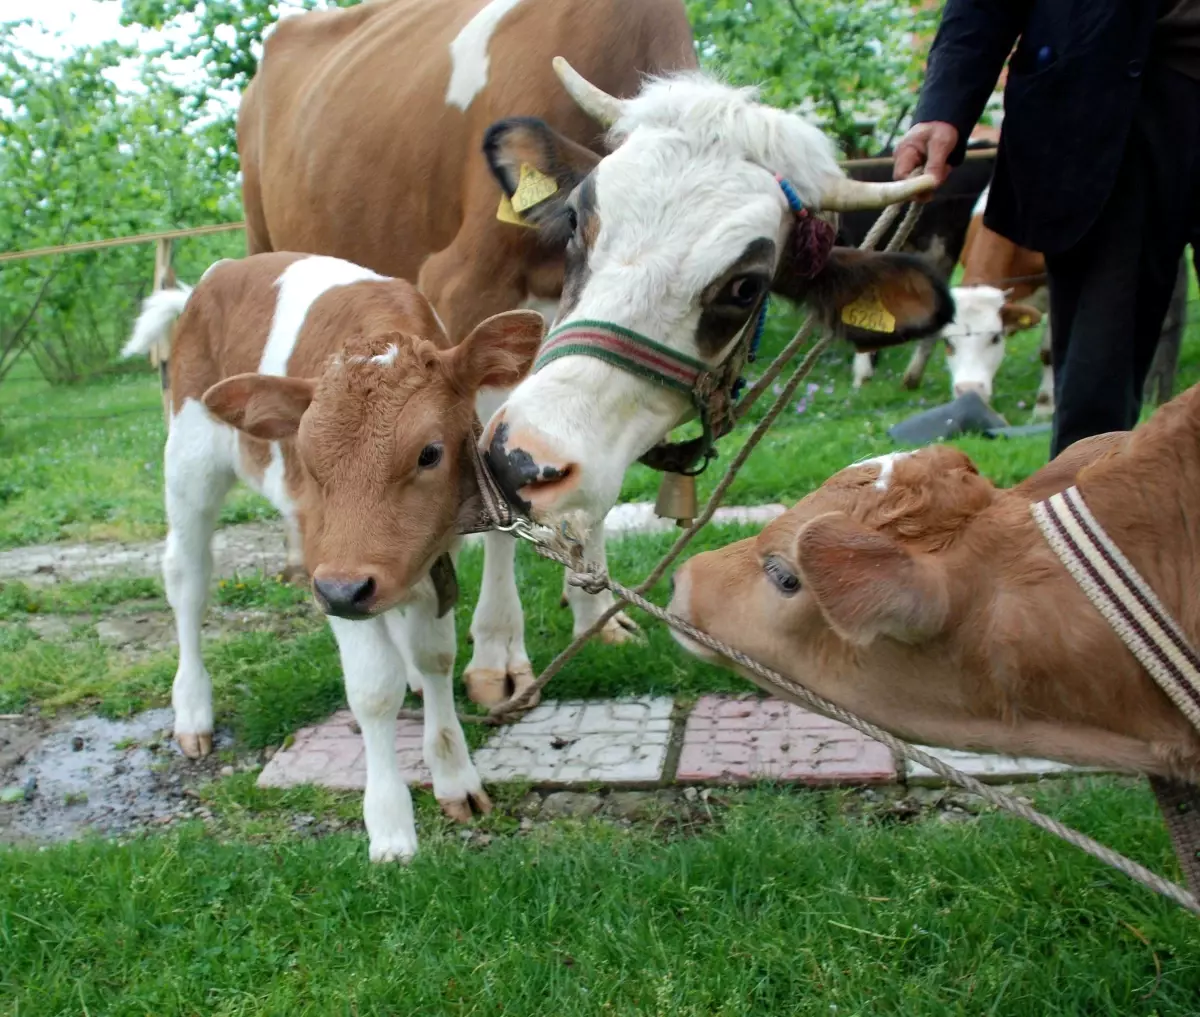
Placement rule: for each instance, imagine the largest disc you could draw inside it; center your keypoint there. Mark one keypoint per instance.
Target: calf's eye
(742, 291)
(430, 456)
(785, 580)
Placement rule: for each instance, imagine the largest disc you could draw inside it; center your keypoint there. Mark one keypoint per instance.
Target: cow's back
(353, 136)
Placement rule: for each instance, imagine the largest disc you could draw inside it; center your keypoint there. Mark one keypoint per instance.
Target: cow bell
(676, 499)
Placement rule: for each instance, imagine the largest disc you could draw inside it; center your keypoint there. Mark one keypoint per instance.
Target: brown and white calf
(335, 393)
(911, 591)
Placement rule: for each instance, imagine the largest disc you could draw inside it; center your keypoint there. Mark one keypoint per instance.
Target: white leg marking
(469, 54)
(199, 468)
(498, 627)
(374, 674)
(864, 370)
(427, 644)
(587, 607)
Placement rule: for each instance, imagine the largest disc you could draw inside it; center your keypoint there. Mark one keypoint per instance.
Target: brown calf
(335, 393)
(911, 591)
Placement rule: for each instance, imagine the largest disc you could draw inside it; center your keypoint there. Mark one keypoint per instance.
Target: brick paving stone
(331, 755)
(607, 742)
(733, 740)
(988, 768)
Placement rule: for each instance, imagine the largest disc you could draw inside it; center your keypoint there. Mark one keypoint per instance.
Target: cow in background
(1004, 290)
(360, 138)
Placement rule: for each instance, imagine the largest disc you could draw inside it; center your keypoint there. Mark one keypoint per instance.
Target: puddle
(96, 775)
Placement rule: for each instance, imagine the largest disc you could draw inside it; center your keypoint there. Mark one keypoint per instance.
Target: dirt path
(252, 547)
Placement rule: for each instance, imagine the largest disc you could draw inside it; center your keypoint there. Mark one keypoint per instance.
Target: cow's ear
(868, 585)
(262, 405)
(499, 351)
(1016, 317)
(537, 168)
(875, 299)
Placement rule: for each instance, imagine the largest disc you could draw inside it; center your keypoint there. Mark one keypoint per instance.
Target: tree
(854, 66)
(79, 160)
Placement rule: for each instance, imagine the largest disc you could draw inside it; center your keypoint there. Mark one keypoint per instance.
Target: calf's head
(376, 450)
(983, 319)
(677, 235)
(858, 590)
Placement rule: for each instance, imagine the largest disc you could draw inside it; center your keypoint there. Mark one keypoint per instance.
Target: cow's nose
(961, 388)
(529, 475)
(345, 596)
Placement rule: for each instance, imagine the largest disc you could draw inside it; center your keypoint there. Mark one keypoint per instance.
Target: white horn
(596, 103)
(846, 195)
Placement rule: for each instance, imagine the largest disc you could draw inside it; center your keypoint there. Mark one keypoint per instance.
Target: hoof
(195, 746)
(522, 678)
(486, 686)
(395, 851)
(463, 810)
(911, 382)
(619, 629)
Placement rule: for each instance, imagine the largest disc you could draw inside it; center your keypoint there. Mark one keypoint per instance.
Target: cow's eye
(995, 340)
(430, 456)
(785, 580)
(572, 219)
(741, 291)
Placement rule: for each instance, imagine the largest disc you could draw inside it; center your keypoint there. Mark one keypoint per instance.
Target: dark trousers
(1109, 293)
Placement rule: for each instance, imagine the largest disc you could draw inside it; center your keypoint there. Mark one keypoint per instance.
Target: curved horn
(846, 195)
(596, 103)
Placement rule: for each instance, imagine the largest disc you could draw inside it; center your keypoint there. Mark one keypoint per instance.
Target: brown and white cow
(335, 393)
(360, 137)
(911, 591)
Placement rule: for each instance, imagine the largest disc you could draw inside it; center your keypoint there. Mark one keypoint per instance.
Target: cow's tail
(159, 311)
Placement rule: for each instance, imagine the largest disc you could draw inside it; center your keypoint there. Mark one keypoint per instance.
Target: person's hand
(929, 145)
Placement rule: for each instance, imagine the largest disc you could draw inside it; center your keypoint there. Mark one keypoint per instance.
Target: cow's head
(676, 235)
(858, 591)
(983, 319)
(378, 459)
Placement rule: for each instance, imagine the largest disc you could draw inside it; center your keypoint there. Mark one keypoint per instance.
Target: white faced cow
(675, 236)
(335, 393)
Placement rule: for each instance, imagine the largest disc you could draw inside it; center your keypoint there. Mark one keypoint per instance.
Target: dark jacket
(1073, 85)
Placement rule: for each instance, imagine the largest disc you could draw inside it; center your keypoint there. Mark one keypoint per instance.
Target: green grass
(782, 907)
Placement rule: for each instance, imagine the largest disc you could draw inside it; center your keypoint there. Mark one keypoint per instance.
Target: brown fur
(350, 429)
(348, 147)
(936, 609)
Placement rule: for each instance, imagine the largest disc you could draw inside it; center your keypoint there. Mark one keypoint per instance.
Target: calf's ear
(1016, 317)
(499, 351)
(876, 299)
(867, 584)
(537, 168)
(262, 405)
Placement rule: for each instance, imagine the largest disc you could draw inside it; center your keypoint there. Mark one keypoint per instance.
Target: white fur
(886, 464)
(469, 61)
(981, 202)
(864, 370)
(689, 187)
(300, 285)
(975, 339)
(387, 358)
(153, 326)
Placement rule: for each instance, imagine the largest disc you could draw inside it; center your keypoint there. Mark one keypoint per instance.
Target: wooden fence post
(164, 278)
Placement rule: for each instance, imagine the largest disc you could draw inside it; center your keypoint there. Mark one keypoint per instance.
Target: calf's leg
(587, 607)
(864, 368)
(499, 665)
(199, 471)
(374, 673)
(426, 643)
(915, 371)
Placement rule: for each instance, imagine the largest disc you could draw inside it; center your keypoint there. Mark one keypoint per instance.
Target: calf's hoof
(463, 810)
(392, 849)
(486, 686)
(911, 382)
(195, 746)
(620, 629)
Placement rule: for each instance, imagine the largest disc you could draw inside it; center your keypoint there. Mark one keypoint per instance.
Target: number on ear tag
(868, 312)
(533, 188)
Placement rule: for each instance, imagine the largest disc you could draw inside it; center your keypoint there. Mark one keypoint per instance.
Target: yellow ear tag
(868, 312)
(533, 188)
(1025, 321)
(506, 213)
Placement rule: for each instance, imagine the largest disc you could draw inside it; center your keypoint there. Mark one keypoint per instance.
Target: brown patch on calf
(262, 406)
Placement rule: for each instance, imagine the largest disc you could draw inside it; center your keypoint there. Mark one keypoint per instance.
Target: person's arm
(968, 53)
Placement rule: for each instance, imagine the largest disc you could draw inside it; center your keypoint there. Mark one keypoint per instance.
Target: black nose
(345, 598)
(513, 469)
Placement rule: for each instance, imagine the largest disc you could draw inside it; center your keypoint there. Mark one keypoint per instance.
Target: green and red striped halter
(642, 356)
